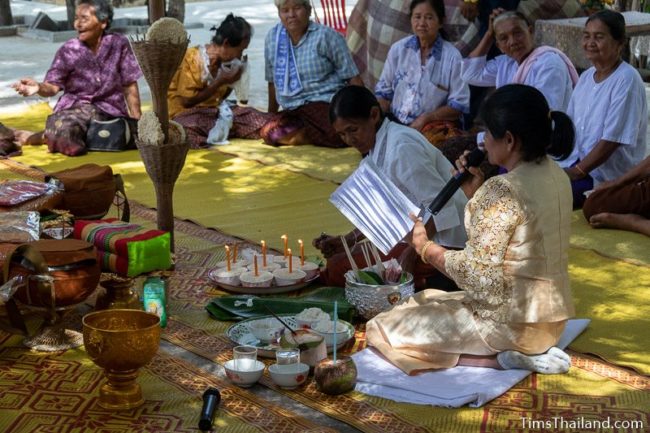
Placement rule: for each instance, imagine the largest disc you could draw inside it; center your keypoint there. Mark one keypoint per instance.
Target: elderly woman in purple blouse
(97, 73)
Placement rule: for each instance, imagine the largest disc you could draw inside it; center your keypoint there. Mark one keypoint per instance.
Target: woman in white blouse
(420, 84)
(545, 68)
(608, 108)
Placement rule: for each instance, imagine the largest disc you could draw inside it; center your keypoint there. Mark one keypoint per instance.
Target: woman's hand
(472, 184)
(495, 13)
(420, 122)
(26, 87)
(230, 75)
(419, 234)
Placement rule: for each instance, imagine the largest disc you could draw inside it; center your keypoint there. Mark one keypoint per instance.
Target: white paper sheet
(375, 206)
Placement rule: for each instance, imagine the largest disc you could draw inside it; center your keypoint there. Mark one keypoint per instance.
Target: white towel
(453, 387)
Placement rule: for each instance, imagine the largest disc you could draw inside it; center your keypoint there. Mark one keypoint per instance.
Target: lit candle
(234, 254)
(302, 252)
(336, 318)
(285, 239)
(290, 261)
(263, 254)
(257, 272)
(227, 258)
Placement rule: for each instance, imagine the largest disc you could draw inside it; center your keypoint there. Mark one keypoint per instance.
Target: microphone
(211, 399)
(474, 159)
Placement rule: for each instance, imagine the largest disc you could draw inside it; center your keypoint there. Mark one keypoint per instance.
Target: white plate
(240, 334)
(269, 290)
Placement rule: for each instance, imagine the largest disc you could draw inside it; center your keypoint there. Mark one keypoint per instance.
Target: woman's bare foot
(28, 137)
(630, 222)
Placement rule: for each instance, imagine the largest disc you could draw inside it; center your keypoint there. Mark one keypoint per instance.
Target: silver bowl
(370, 300)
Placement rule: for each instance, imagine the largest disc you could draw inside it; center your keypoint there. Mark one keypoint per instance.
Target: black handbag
(110, 135)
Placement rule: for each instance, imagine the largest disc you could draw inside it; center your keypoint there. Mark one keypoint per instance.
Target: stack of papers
(375, 206)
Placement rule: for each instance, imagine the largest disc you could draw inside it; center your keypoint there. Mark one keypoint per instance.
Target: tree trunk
(6, 19)
(70, 9)
(156, 10)
(176, 9)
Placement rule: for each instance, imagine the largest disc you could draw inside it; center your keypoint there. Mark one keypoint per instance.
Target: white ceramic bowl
(229, 277)
(285, 278)
(266, 330)
(343, 334)
(310, 268)
(223, 264)
(289, 376)
(264, 279)
(244, 372)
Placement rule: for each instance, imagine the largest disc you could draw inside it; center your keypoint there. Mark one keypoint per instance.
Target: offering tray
(240, 334)
(268, 290)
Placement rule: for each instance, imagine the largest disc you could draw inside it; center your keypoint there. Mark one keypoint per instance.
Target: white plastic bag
(218, 135)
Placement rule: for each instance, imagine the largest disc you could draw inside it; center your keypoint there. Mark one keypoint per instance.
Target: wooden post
(156, 10)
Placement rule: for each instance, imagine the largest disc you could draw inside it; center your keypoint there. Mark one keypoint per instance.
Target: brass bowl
(121, 342)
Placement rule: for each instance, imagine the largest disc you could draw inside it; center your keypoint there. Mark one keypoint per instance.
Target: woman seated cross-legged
(405, 157)
(515, 297)
(205, 78)
(608, 107)
(97, 73)
(545, 68)
(306, 64)
(421, 84)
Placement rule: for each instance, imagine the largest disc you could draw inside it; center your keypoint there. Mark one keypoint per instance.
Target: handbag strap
(119, 189)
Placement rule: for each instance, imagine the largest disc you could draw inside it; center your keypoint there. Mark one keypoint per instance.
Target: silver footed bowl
(370, 299)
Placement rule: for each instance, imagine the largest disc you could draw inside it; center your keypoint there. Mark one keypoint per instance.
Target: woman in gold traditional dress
(513, 271)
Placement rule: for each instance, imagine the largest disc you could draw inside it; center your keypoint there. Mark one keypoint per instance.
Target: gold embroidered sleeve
(494, 214)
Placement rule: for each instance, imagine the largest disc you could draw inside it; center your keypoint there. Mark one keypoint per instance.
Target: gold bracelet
(423, 251)
(470, 1)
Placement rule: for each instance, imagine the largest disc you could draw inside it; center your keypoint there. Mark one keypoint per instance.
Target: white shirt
(549, 75)
(420, 171)
(615, 110)
(414, 89)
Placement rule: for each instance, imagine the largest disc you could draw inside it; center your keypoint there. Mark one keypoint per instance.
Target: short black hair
(615, 22)
(524, 112)
(437, 5)
(233, 29)
(103, 10)
(352, 102)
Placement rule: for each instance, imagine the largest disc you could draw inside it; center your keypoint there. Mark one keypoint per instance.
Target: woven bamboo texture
(159, 62)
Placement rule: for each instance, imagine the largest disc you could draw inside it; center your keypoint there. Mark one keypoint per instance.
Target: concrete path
(22, 57)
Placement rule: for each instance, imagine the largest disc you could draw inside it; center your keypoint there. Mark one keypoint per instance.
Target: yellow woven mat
(593, 389)
(614, 295)
(240, 197)
(56, 392)
(618, 244)
(327, 164)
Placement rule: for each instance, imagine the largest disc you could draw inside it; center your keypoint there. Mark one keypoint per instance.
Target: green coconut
(335, 378)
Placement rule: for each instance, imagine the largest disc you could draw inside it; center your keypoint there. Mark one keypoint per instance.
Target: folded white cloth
(452, 387)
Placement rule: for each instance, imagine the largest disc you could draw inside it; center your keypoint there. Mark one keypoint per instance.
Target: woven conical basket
(163, 164)
(159, 62)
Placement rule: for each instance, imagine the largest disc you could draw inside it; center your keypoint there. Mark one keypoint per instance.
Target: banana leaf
(224, 308)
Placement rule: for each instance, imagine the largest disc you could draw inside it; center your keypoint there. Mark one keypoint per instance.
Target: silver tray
(269, 290)
(241, 335)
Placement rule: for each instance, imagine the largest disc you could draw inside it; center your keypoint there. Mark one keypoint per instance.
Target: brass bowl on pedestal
(121, 342)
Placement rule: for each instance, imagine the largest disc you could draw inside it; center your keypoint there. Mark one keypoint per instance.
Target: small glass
(287, 356)
(245, 357)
